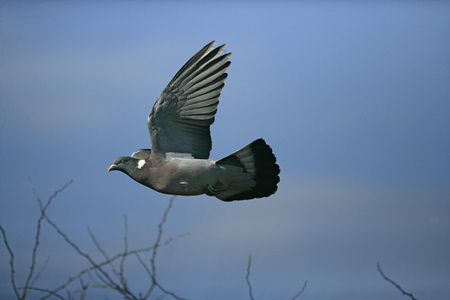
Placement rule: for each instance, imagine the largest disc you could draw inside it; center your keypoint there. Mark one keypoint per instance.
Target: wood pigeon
(179, 123)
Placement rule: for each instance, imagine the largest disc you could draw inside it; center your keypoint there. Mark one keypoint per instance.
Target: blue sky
(353, 97)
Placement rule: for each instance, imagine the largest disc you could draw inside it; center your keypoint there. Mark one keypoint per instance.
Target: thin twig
(11, 262)
(155, 247)
(169, 292)
(96, 283)
(83, 289)
(157, 284)
(394, 283)
(103, 279)
(38, 231)
(247, 278)
(125, 249)
(42, 208)
(301, 291)
(157, 244)
(101, 274)
(144, 265)
(49, 292)
(121, 286)
(100, 249)
(79, 251)
(112, 259)
(41, 270)
(158, 237)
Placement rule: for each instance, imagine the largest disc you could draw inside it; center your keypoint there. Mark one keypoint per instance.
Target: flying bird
(179, 124)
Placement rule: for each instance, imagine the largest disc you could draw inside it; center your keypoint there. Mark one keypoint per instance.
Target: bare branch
(78, 250)
(157, 244)
(301, 291)
(100, 249)
(158, 237)
(250, 292)
(169, 292)
(83, 289)
(100, 276)
(41, 270)
(105, 280)
(147, 270)
(247, 278)
(104, 274)
(49, 292)
(42, 208)
(11, 262)
(109, 261)
(125, 250)
(410, 295)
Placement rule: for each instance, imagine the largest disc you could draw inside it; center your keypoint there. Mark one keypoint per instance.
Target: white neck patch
(141, 163)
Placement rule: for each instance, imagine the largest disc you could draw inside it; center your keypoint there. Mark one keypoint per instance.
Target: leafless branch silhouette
(107, 273)
(100, 274)
(30, 276)
(247, 278)
(11, 263)
(250, 289)
(301, 291)
(397, 286)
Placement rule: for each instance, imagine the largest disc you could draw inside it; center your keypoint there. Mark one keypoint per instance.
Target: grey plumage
(181, 143)
(180, 118)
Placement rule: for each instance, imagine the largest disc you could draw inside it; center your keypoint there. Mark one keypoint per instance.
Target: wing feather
(199, 90)
(180, 119)
(203, 64)
(194, 105)
(210, 72)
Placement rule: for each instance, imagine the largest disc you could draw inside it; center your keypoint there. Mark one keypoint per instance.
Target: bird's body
(179, 123)
(178, 175)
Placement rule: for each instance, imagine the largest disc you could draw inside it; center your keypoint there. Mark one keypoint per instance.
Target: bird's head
(125, 164)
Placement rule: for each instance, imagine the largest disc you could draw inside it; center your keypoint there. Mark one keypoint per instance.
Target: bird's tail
(252, 172)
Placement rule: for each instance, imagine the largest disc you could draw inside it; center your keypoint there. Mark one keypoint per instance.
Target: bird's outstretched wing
(180, 119)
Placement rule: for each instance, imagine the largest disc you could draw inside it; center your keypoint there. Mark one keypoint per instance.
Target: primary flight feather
(179, 124)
